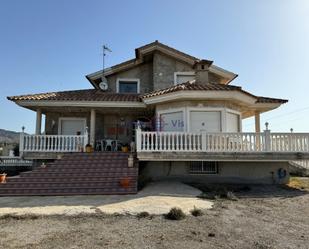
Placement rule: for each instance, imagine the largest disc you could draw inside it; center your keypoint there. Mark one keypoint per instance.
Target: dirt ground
(262, 218)
(156, 198)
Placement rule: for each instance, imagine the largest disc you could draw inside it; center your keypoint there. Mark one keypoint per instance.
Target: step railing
(300, 164)
(52, 143)
(221, 142)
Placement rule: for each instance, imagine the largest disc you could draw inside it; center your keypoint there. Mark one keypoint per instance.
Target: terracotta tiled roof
(192, 86)
(79, 95)
(98, 95)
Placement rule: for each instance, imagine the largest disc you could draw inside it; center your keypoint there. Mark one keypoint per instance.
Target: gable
(143, 53)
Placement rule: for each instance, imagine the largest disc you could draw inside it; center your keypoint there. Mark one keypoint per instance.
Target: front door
(72, 126)
(205, 121)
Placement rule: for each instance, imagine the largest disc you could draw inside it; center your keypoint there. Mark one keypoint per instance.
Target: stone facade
(164, 68)
(142, 72)
(156, 73)
(52, 120)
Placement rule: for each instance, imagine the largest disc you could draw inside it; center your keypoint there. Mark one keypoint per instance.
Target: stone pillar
(92, 127)
(21, 142)
(267, 138)
(257, 129)
(257, 122)
(38, 122)
(138, 139)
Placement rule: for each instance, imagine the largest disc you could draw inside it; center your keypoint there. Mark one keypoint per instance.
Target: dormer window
(128, 86)
(182, 77)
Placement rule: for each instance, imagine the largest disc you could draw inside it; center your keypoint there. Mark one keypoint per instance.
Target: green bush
(175, 214)
(196, 212)
(143, 215)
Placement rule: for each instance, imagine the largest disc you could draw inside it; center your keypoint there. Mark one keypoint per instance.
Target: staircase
(97, 173)
(300, 167)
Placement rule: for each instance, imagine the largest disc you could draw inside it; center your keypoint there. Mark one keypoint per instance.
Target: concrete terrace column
(92, 127)
(257, 122)
(38, 122)
(258, 129)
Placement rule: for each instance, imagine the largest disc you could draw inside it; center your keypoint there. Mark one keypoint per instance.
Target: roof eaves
(261, 99)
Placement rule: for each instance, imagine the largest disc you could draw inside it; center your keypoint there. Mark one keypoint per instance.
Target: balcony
(222, 146)
(48, 146)
(157, 145)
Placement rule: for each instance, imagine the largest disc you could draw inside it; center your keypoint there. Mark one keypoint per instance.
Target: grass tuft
(175, 214)
(143, 215)
(196, 212)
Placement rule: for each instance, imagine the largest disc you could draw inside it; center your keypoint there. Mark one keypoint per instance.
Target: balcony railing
(221, 142)
(52, 143)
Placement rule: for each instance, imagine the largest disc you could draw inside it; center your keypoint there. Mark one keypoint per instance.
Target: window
(172, 121)
(205, 121)
(71, 126)
(203, 167)
(182, 77)
(128, 85)
(232, 122)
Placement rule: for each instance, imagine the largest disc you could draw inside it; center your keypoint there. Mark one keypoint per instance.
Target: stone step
(96, 155)
(61, 192)
(110, 177)
(86, 165)
(92, 172)
(76, 174)
(61, 184)
(82, 169)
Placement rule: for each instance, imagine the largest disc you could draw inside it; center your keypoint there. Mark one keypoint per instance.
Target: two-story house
(180, 114)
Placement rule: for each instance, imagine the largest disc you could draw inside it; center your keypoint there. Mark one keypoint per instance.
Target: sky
(51, 45)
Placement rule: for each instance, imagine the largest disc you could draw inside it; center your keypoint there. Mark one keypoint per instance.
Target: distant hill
(9, 136)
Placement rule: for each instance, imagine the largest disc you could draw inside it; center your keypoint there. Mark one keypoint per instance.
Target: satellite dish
(103, 86)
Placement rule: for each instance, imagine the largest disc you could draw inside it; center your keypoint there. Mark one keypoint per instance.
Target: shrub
(143, 215)
(221, 192)
(175, 214)
(20, 217)
(231, 196)
(196, 212)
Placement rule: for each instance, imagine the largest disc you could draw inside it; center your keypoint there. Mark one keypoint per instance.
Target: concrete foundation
(228, 172)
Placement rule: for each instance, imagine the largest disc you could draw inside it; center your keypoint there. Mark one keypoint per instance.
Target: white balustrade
(179, 141)
(222, 142)
(53, 143)
(14, 161)
(289, 142)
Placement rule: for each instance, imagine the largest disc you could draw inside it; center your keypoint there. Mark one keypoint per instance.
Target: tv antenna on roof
(105, 49)
(104, 85)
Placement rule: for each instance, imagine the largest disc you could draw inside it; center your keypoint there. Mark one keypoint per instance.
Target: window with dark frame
(203, 167)
(128, 86)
